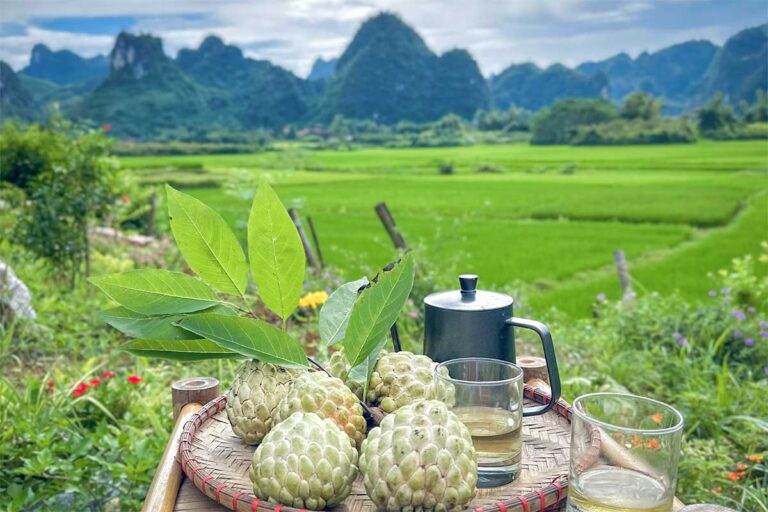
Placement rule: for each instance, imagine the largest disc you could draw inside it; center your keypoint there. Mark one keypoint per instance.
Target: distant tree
(641, 106)
(514, 119)
(717, 115)
(559, 123)
(758, 111)
(449, 124)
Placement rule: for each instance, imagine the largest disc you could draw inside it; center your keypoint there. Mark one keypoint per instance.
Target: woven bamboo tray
(217, 462)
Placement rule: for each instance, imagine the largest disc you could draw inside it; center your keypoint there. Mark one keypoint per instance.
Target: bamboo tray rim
(549, 497)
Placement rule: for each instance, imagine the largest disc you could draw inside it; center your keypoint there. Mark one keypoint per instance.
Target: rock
(14, 295)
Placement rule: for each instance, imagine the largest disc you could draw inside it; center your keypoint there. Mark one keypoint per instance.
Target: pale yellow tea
(609, 489)
(496, 435)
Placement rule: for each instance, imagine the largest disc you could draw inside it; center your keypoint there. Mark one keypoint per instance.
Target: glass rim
(499, 362)
(605, 394)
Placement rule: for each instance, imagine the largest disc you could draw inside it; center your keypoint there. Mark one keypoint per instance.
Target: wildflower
(755, 458)
(751, 309)
(741, 467)
(413, 314)
(682, 342)
(618, 436)
(313, 300)
(657, 418)
(80, 389)
(95, 381)
(652, 444)
(601, 297)
(737, 334)
(763, 324)
(712, 293)
(51, 385)
(725, 291)
(134, 379)
(106, 127)
(125, 199)
(676, 336)
(717, 489)
(749, 342)
(636, 440)
(734, 475)
(764, 334)
(739, 314)
(107, 374)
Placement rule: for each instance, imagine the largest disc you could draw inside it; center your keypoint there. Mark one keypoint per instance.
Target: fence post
(389, 224)
(311, 258)
(627, 293)
(316, 240)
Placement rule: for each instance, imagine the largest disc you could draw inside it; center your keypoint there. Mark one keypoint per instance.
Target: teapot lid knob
(468, 283)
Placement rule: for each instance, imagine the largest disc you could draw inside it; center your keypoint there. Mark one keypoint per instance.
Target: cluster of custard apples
(312, 439)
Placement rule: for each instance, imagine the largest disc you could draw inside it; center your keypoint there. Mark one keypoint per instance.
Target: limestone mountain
(530, 87)
(387, 73)
(322, 69)
(673, 73)
(64, 67)
(740, 67)
(15, 100)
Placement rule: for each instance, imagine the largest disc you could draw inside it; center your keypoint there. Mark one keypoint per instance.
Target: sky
(293, 33)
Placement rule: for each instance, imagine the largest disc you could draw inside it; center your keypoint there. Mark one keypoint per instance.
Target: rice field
(542, 221)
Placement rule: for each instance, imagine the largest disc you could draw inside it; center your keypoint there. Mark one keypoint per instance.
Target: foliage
(512, 120)
(758, 111)
(641, 106)
(558, 124)
(621, 132)
(716, 116)
(69, 181)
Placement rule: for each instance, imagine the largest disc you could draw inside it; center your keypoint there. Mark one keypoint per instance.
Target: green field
(544, 219)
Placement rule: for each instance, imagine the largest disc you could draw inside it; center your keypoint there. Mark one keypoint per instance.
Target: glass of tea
(489, 401)
(624, 453)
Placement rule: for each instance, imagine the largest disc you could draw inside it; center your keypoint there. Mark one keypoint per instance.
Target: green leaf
(275, 253)
(362, 372)
(247, 336)
(376, 310)
(153, 327)
(334, 316)
(157, 292)
(207, 243)
(180, 350)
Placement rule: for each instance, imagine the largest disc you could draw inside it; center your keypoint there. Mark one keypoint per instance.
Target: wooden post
(627, 293)
(389, 224)
(189, 396)
(316, 240)
(151, 214)
(533, 368)
(311, 259)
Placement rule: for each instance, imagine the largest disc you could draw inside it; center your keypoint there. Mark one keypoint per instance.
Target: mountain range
(387, 73)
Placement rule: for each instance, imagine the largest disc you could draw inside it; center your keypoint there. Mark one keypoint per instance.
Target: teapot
(478, 323)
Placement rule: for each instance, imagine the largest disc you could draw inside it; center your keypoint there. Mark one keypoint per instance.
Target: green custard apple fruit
(400, 378)
(316, 392)
(305, 461)
(420, 458)
(256, 390)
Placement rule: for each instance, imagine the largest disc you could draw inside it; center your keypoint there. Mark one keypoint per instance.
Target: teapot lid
(468, 298)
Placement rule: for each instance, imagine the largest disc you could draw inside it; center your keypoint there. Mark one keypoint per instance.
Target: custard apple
(257, 389)
(306, 462)
(339, 367)
(327, 396)
(400, 378)
(420, 458)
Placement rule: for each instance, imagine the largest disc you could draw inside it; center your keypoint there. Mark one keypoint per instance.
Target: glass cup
(489, 401)
(624, 453)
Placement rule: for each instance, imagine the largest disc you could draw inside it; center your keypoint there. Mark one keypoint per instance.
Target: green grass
(674, 210)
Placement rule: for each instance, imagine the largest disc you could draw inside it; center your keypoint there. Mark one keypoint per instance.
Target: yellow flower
(313, 300)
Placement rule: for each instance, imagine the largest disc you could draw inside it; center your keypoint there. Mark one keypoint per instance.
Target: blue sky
(293, 33)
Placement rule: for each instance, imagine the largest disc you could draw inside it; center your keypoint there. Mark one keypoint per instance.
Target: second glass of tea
(489, 401)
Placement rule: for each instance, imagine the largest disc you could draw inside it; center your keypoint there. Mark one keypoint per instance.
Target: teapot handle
(549, 355)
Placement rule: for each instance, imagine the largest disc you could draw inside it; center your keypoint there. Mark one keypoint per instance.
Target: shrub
(558, 124)
(669, 131)
(716, 116)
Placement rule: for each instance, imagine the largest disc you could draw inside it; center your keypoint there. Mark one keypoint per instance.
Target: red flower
(107, 374)
(106, 127)
(134, 379)
(652, 444)
(51, 385)
(95, 381)
(734, 475)
(80, 389)
(717, 489)
(741, 467)
(126, 199)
